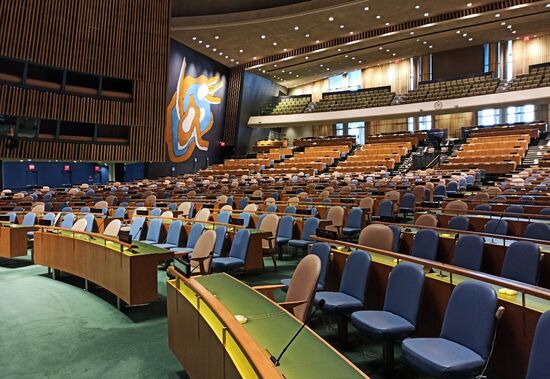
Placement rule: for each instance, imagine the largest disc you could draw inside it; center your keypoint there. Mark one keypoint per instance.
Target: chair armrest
(183, 254)
(290, 305)
(267, 290)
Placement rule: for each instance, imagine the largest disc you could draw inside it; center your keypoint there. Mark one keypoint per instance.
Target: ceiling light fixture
(216, 37)
(366, 8)
(331, 18)
(469, 4)
(262, 36)
(341, 26)
(426, 14)
(296, 28)
(378, 17)
(497, 15)
(194, 38)
(417, 7)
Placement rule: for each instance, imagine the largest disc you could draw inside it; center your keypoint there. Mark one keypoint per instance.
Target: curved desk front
(127, 271)
(205, 336)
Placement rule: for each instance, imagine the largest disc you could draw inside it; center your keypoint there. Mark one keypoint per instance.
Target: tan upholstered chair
(426, 220)
(250, 208)
(456, 205)
(113, 228)
(226, 208)
(336, 216)
(377, 236)
(150, 201)
(301, 289)
(184, 208)
(222, 199)
(201, 260)
(167, 214)
(295, 200)
(110, 200)
(203, 215)
(38, 208)
(270, 201)
(418, 192)
(270, 224)
(80, 225)
(493, 191)
(366, 203)
(101, 204)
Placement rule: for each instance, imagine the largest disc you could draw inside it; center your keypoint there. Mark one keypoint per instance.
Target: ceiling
(297, 42)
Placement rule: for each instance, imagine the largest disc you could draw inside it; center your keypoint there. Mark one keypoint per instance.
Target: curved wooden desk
(207, 339)
(128, 271)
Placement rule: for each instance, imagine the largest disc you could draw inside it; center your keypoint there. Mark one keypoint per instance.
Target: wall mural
(195, 107)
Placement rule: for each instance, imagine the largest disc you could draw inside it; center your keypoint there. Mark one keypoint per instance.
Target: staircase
(535, 152)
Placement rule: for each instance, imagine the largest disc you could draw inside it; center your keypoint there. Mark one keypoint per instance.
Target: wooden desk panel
(13, 241)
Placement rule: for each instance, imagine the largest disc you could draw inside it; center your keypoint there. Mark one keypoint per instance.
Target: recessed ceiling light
(194, 38)
(263, 36)
(221, 53)
(509, 26)
(254, 58)
(381, 48)
(378, 17)
(317, 41)
(341, 26)
(283, 71)
(350, 32)
(360, 61)
(216, 37)
(241, 51)
(387, 24)
(469, 4)
(339, 50)
(307, 35)
(353, 58)
(424, 42)
(497, 15)
(232, 60)
(412, 33)
(465, 35)
(548, 5)
(214, 49)
(274, 43)
(426, 14)
(458, 32)
(274, 65)
(227, 56)
(387, 50)
(207, 46)
(237, 62)
(331, 18)
(290, 72)
(307, 58)
(320, 65)
(514, 31)
(430, 46)
(416, 6)
(285, 49)
(346, 56)
(394, 54)
(328, 69)
(200, 41)
(470, 39)
(366, 8)
(296, 28)
(503, 23)
(297, 76)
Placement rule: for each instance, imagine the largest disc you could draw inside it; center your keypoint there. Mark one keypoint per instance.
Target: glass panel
(425, 122)
(488, 117)
(410, 124)
(336, 83)
(28, 127)
(509, 61)
(357, 129)
(340, 129)
(354, 80)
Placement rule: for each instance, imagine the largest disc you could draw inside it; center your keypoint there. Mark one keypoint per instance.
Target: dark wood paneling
(119, 38)
(234, 90)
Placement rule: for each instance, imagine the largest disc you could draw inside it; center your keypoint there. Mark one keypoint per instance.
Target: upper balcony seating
(367, 98)
(538, 76)
(286, 105)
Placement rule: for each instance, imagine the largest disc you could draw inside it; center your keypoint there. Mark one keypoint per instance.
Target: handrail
(506, 283)
(104, 237)
(472, 212)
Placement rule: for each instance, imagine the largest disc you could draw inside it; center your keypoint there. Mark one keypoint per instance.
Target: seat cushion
(165, 245)
(442, 358)
(226, 264)
(299, 243)
(382, 325)
(282, 240)
(181, 250)
(350, 231)
(149, 242)
(338, 302)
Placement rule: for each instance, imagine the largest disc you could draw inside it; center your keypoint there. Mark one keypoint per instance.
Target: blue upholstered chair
(245, 216)
(66, 209)
(85, 210)
(538, 231)
(425, 244)
(291, 209)
(223, 217)
(309, 230)
(237, 255)
(384, 211)
(220, 239)
(452, 187)
(459, 223)
(284, 233)
(353, 222)
(463, 346)
(322, 250)
(156, 212)
(396, 230)
(545, 211)
(496, 227)
(514, 208)
(136, 228)
(48, 207)
(49, 217)
(12, 216)
(120, 212)
(469, 252)
(173, 235)
(521, 262)
(351, 295)
(68, 221)
(483, 207)
(153, 232)
(271, 208)
(463, 183)
(243, 202)
(397, 319)
(275, 195)
(90, 221)
(499, 199)
(172, 207)
(194, 234)
(539, 364)
(440, 192)
(407, 203)
(527, 200)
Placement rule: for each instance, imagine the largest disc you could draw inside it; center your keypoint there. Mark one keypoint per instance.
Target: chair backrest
(310, 228)
(29, 219)
(425, 244)
(84, 209)
(226, 208)
(153, 232)
(68, 221)
(49, 217)
(355, 275)
(404, 291)
(185, 207)
(355, 218)
(250, 208)
(271, 208)
(113, 228)
(136, 228)
(545, 211)
(245, 216)
(101, 204)
(270, 223)
(459, 223)
(366, 203)
(155, 212)
(260, 220)
(239, 247)
(66, 209)
(291, 209)
(286, 225)
(322, 250)
(408, 201)
(120, 212)
(220, 239)
(539, 364)
(90, 219)
(440, 190)
(203, 215)
(418, 192)
(385, 208)
(243, 202)
(303, 285)
(496, 227)
(39, 208)
(396, 231)
(514, 208)
(336, 215)
(377, 236)
(521, 262)
(470, 316)
(194, 234)
(426, 220)
(80, 225)
(456, 205)
(223, 217)
(174, 232)
(527, 200)
(12, 216)
(538, 231)
(150, 201)
(452, 186)
(483, 207)
(202, 249)
(167, 214)
(469, 252)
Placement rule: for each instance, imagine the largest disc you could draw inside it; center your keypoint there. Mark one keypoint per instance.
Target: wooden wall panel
(126, 39)
(232, 106)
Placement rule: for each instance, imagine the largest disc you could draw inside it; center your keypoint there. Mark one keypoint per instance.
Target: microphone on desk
(276, 360)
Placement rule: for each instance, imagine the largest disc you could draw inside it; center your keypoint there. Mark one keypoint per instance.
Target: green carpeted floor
(55, 329)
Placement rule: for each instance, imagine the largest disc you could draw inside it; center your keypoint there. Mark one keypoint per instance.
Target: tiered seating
(286, 105)
(375, 157)
(496, 154)
(534, 129)
(267, 145)
(412, 138)
(538, 76)
(239, 166)
(367, 98)
(431, 91)
(325, 141)
(314, 159)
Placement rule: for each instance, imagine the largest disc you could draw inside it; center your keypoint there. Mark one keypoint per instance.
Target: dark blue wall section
(16, 174)
(134, 171)
(256, 92)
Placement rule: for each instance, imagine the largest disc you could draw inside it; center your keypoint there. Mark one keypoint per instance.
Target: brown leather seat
(426, 220)
(377, 236)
